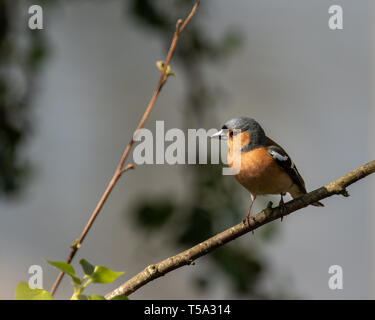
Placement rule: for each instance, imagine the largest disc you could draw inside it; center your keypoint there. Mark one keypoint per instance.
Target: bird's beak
(220, 135)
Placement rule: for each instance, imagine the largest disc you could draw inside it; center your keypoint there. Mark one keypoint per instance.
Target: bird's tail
(296, 192)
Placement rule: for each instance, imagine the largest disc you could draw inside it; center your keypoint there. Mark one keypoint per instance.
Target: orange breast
(259, 173)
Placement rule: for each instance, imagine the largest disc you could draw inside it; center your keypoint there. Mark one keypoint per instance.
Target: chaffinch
(265, 167)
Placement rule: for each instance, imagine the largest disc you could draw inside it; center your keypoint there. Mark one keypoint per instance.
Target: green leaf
(160, 65)
(120, 298)
(24, 292)
(87, 267)
(65, 267)
(77, 287)
(103, 274)
(96, 297)
(92, 297)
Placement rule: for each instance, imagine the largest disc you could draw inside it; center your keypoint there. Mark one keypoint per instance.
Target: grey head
(238, 125)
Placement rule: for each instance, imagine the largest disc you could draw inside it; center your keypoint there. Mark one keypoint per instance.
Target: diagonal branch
(269, 214)
(180, 26)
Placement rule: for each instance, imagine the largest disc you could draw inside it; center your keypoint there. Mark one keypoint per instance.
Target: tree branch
(180, 26)
(269, 214)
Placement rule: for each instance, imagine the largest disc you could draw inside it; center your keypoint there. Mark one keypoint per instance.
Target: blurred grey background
(310, 88)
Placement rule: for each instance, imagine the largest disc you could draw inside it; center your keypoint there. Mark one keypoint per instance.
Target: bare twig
(128, 167)
(180, 26)
(269, 214)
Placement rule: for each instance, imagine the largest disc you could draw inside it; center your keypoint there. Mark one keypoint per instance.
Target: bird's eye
(231, 134)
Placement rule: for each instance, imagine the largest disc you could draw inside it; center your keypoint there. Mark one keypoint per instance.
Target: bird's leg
(249, 211)
(282, 206)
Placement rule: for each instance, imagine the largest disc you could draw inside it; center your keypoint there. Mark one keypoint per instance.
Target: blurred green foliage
(22, 52)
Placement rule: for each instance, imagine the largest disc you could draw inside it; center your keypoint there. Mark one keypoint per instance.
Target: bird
(265, 167)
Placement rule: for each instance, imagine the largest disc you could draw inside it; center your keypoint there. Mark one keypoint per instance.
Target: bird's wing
(285, 162)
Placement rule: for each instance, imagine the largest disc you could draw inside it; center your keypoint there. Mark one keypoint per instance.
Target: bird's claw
(247, 219)
(282, 208)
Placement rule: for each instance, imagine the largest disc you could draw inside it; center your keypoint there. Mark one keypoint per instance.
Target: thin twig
(180, 26)
(269, 214)
(130, 166)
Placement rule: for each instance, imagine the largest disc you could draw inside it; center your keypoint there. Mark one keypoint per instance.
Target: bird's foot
(247, 220)
(282, 208)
